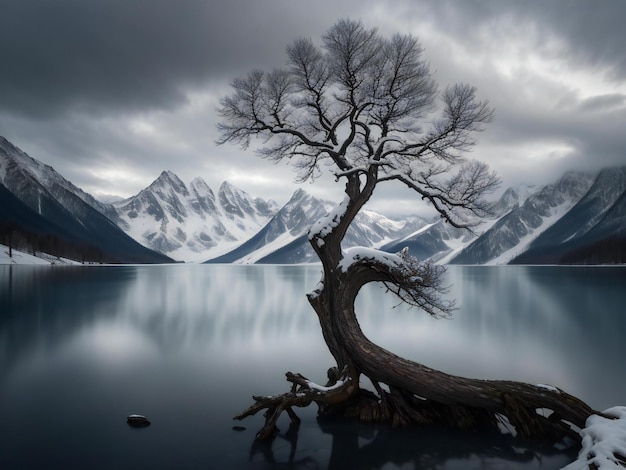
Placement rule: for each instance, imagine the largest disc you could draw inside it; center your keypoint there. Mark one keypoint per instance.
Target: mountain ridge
(571, 220)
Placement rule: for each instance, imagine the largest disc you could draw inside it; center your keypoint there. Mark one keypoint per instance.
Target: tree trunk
(418, 394)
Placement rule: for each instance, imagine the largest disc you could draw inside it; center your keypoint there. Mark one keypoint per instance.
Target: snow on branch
(325, 225)
(358, 254)
(419, 284)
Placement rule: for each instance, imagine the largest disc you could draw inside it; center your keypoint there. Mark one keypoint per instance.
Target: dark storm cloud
(97, 56)
(594, 30)
(130, 55)
(94, 54)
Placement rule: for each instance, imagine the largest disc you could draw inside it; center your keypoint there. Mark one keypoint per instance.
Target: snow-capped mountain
(433, 241)
(284, 239)
(287, 225)
(191, 224)
(40, 203)
(18, 169)
(512, 198)
(578, 219)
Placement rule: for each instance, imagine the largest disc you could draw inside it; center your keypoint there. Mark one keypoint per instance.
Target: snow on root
(603, 442)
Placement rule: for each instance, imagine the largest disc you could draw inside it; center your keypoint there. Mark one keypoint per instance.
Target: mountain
(289, 224)
(593, 231)
(47, 210)
(512, 198)
(369, 229)
(603, 244)
(191, 223)
(432, 241)
(440, 241)
(284, 239)
(513, 232)
(22, 227)
(522, 217)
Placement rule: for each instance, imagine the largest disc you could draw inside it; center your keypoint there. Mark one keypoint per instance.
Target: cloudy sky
(112, 92)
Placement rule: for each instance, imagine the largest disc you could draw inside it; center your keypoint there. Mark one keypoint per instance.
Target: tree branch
(462, 194)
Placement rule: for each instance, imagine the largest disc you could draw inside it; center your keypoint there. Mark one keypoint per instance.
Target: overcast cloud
(112, 92)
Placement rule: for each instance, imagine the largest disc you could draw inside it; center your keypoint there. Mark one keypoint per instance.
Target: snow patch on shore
(603, 441)
(19, 257)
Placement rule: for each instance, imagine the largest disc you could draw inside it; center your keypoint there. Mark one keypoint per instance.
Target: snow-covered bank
(604, 442)
(19, 257)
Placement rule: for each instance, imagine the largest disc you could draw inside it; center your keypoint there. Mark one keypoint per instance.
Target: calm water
(187, 345)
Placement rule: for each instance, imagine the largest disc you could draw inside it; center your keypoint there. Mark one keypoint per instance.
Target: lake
(188, 345)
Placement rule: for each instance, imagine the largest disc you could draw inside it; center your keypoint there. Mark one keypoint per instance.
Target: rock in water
(137, 421)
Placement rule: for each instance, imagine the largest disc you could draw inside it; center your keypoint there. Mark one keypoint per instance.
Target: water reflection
(526, 321)
(368, 446)
(179, 307)
(189, 344)
(42, 306)
(541, 324)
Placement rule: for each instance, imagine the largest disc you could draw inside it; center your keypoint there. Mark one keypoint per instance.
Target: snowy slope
(18, 172)
(287, 225)
(520, 215)
(284, 239)
(19, 257)
(513, 232)
(440, 242)
(595, 219)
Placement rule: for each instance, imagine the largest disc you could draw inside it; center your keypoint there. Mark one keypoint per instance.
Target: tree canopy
(370, 107)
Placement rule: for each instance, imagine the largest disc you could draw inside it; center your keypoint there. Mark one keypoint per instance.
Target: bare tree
(368, 107)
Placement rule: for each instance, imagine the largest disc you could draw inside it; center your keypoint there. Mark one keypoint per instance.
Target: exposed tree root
(421, 395)
(514, 405)
(518, 405)
(303, 392)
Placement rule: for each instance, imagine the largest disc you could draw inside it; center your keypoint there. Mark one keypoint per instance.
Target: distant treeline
(18, 238)
(608, 251)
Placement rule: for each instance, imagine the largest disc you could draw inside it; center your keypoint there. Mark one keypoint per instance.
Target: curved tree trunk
(418, 394)
(406, 392)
